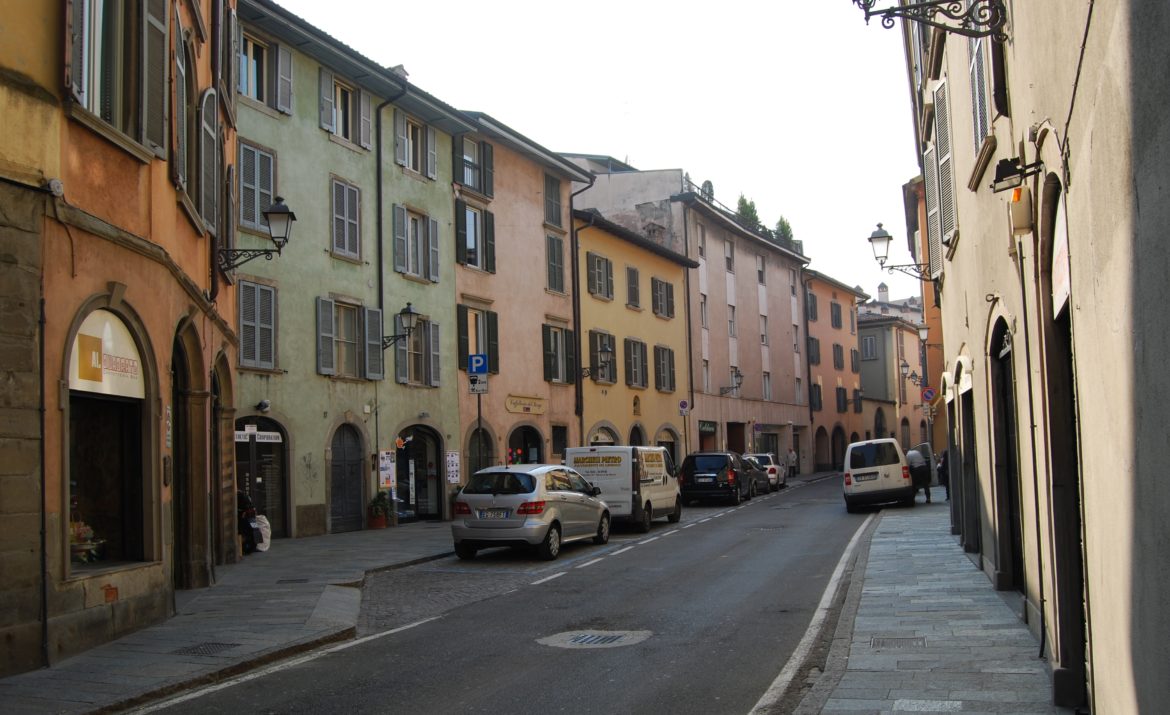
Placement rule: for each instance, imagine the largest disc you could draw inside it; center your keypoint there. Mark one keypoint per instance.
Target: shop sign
(105, 359)
(708, 426)
(525, 405)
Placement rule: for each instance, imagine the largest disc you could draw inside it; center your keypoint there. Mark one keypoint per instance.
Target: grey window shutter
(642, 355)
(591, 271)
(399, 238)
(232, 49)
(78, 52)
(338, 216)
(179, 115)
(401, 356)
(608, 278)
(284, 80)
(628, 345)
(264, 186)
(325, 99)
(461, 232)
(457, 158)
(464, 341)
(249, 216)
(493, 336)
(218, 29)
(399, 137)
(352, 221)
(325, 361)
(594, 355)
(933, 235)
(367, 121)
(155, 68)
(670, 367)
(433, 250)
(436, 349)
(372, 319)
(432, 153)
(550, 357)
(946, 186)
(248, 324)
(632, 294)
(208, 164)
(265, 326)
(489, 242)
(570, 356)
(669, 288)
(659, 372)
(486, 171)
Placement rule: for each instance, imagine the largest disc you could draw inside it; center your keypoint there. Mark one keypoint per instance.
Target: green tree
(745, 211)
(783, 230)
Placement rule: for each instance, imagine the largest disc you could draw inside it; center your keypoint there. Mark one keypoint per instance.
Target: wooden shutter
(325, 99)
(461, 232)
(374, 367)
(433, 250)
(399, 137)
(493, 335)
(632, 294)
(486, 171)
(629, 357)
(217, 40)
(946, 186)
(489, 241)
(179, 116)
(462, 336)
(457, 158)
(249, 216)
(367, 121)
(432, 153)
(284, 79)
(570, 356)
(550, 356)
(338, 216)
(642, 364)
(933, 235)
(352, 221)
(265, 326)
(978, 76)
(248, 323)
(591, 272)
(401, 356)
(608, 278)
(669, 290)
(659, 373)
(594, 355)
(325, 330)
(233, 43)
(436, 350)
(400, 257)
(155, 75)
(77, 41)
(208, 161)
(670, 364)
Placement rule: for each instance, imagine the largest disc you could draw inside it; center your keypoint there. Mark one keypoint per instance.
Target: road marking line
(588, 563)
(776, 690)
(716, 516)
(621, 551)
(672, 531)
(704, 520)
(647, 541)
(690, 525)
(548, 578)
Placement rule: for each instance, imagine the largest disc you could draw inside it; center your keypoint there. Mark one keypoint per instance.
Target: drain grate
(205, 649)
(916, 642)
(595, 639)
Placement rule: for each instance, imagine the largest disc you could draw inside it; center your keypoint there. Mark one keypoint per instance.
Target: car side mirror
(594, 491)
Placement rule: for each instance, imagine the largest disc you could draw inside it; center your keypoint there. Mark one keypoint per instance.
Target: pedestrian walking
(919, 472)
(944, 477)
(793, 461)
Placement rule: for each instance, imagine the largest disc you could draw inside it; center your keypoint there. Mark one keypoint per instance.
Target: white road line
(716, 516)
(776, 690)
(621, 551)
(548, 578)
(588, 563)
(672, 531)
(276, 668)
(704, 520)
(647, 541)
(690, 525)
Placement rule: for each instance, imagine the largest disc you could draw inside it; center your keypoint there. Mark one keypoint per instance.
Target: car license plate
(865, 477)
(493, 513)
(704, 480)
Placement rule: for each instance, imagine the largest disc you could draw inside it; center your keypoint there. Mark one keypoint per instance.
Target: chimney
(883, 293)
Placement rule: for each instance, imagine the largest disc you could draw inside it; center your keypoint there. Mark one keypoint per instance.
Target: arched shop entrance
(419, 474)
(345, 480)
(525, 446)
(261, 470)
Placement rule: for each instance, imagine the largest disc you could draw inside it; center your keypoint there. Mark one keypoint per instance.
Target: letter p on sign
(477, 364)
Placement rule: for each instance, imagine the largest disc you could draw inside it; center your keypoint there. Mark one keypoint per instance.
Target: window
(259, 79)
(792, 279)
(346, 222)
(210, 166)
(559, 364)
(349, 340)
(811, 306)
(555, 248)
(729, 255)
(662, 298)
(183, 113)
(763, 330)
(473, 164)
(855, 360)
(842, 399)
(345, 110)
(560, 439)
(731, 321)
(600, 275)
(118, 66)
(814, 351)
(254, 69)
(835, 314)
(415, 145)
(868, 347)
(478, 334)
(257, 185)
(838, 356)
(703, 310)
(552, 200)
(417, 358)
(767, 386)
(663, 368)
(475, 233)
(706, 376)
(940, 199)
(799, 391)
(633, 299)
(760, 270)
(702, 241)
(635, 354)
(599, 341)
(977, 67)
(416, 243)
(857, 400)
(814, 396)
(257, 325)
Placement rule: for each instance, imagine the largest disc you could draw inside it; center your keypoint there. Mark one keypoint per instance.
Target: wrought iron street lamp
(408, 319)
(970, 18)
(601, 369)
(880, 241)
(280, 220)
(736, 381)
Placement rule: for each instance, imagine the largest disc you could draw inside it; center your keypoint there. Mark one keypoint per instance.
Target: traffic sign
(683, 407)
(928, 394)
(477, 364)
(478, 384)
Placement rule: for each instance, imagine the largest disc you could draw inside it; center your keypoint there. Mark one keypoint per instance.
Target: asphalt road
(695, 617)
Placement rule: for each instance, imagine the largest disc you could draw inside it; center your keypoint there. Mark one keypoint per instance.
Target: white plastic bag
(265, 533)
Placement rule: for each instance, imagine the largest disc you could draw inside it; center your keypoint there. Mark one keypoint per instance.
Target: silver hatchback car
(540, 505)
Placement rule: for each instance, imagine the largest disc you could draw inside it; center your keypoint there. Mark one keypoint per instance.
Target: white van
(876, 472)
(638, 483)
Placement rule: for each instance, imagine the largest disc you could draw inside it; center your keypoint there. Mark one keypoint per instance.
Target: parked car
(777, 473)
(529, 505)
(758, 473)
(637, 483)
(876, 472)
(716, 475)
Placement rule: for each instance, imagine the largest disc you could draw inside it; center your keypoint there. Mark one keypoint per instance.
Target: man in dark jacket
(919, 472)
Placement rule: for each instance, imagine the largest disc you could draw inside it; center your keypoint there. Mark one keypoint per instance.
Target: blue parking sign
(477, 364)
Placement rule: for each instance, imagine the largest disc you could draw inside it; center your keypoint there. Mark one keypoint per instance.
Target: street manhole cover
(594, 639)
(205, 649)
(918, 642)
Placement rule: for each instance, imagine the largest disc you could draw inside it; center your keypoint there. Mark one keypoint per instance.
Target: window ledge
(261, 107)
(97, 124)
(555, 228)
(342, 141)
(355, 260)
(261, 370)
(465, 190)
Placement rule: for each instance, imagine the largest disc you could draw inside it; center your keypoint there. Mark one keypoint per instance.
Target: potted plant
(379, 510)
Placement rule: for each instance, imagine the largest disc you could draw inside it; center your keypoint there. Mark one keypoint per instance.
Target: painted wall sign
(525, 405)
(105, 358)
(707, 426)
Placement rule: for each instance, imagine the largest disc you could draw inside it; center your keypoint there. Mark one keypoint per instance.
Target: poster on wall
(105, 358)
(386, 476)
(452, 467)
(413, 491)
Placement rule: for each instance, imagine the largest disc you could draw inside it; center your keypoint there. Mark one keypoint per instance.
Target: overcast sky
(797, 104)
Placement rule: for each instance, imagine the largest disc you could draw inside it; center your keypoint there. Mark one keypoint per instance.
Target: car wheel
(645, 519)
(602, 531)
(736, 497)
(465, 551)
(851, 508)
(550, 546)
(752, 490)
(675, 515)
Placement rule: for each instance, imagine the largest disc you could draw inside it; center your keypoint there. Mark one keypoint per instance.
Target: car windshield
(705, 463)
(764, 459)
(499, 483)
(872, 454)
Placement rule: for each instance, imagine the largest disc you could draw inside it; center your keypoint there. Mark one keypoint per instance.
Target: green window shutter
(399, 238)
(633, 295)
(156, 77)
(374, 367)
(284, 80)
(489, 241)
(436, 348)
(570, 356)
(432, 250)
(608, 278)
(457, 158)
(266, 326)
(659, 373)
(325, 99)
(594, 355)
(591, 272)
(325, 360)
(629, 356)
(643, 360)
(366, 124)
(461, 316)
(670, 364)
(486, 171)
(461, 231)
(549, 355)
(493, 335)
(432, 153)
(399, 137)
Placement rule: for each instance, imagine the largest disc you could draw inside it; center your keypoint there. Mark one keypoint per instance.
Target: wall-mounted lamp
(264, 405)
(923, 332)
(974, 18)
(1009, 173)
(879, 241)
(600, 371)
(280, 220)
(736, 381)
(913, 377)
(408, 319)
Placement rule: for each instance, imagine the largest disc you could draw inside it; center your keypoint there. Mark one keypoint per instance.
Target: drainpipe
(44, 517)
(808, 372)
(690, 345)
(575, 282)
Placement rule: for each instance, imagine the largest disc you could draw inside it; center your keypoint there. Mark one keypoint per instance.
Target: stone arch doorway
(822, 457)
(481, 450)
(420, 470)
(525, 446)
(345, 480)
(189, 497)
(1010, 544)
(879, 424)
(262, 469)
(637, 436)
(604, 435)
(838, 447)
